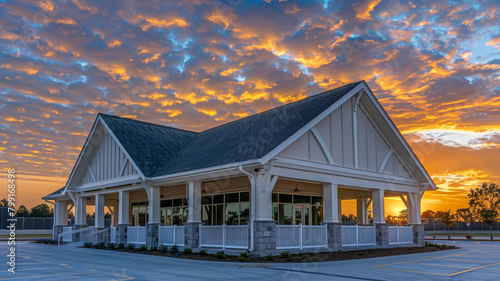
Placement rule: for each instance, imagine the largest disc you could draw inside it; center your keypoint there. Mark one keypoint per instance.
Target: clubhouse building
(266, 183)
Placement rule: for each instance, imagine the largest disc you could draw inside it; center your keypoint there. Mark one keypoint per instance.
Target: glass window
(166, 203)
(219, 215)
(285, 214)
(218, 199)
(207, 215)
(232, 198)
(302, 199)
(275, 211)
(275, 197)
(177, 202)
(317, 215)
(317, 200)
(168, 221)
(232, 213)
(185, 214)
(177, 216)
(244, 213)
(205, 200)
(244, 196)
(285, 198)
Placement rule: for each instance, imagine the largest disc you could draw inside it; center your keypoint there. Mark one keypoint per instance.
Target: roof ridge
(145, 123)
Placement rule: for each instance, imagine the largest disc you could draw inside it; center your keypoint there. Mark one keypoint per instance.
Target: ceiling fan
(297, 188)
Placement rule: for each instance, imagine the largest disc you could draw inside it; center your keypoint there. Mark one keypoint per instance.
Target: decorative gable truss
(102, 162)
(348, 139)
(109, 162)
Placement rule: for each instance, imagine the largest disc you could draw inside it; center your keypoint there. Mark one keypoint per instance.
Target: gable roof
(149, 145)
(161, 150)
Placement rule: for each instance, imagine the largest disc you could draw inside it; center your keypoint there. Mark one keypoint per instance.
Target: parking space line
(446, 265)
(475, 268)
(45, 276)
(426, 259)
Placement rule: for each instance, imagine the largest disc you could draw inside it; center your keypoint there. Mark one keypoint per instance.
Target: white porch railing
(136, 234)
(301, 236)
(172, 235)
(74, 236)
(224, 236)
(97, 236)
(112, 234)
(400, 235)
(355, 235)
(67, 237)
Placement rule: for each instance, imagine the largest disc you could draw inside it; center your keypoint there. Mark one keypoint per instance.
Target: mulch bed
(308, 257)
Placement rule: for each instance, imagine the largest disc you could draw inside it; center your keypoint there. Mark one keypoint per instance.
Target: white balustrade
(301, 236)
(224, 236)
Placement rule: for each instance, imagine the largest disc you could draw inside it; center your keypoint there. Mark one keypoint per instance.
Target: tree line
(42, 210)
(483, 206)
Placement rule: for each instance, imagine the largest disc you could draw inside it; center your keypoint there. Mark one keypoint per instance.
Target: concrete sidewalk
(476, 261)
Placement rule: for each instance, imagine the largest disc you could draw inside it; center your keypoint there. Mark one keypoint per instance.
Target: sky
(433, 65)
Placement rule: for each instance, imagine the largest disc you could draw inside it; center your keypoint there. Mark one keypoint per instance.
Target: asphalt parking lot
(476, 261)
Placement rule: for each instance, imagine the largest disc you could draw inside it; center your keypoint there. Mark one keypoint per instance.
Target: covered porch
(233, 213)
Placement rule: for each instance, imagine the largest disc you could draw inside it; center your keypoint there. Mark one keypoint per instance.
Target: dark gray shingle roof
(149, 145)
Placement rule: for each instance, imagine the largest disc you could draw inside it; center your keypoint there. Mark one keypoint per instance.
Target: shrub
(187, 251)
(153, 249)
(288, 259)
(110, 246)
(220, 255)
(203, 252)
(142, 248)
(87, 244)
(269, 257)
(130, 247)
(99, 245)
(285, 254)
(244, 257)
(120, 246)
(174, 249)
(163, 248)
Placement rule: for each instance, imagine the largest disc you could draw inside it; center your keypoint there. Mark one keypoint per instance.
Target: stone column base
(418, 235)
(152, 232)
(265, 238)
(382, 232)
(121, 233)
(56, 230)
(192, 234)
(334, 235)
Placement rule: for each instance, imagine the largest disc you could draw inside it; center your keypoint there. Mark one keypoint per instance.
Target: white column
(154, 205)
(378, 206)
(123, 206)
(362, 211)
(194, 201)
(114, 216)
(99, 211)
(263, 200)
(61, 208)
(413, 208)
(340, 210)
(81, 211)
(66, 214)
(330, 198)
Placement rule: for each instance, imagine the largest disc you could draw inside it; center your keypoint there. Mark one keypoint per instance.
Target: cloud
(198, 64)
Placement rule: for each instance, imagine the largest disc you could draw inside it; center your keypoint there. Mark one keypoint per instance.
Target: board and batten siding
(108, 162)
(334, 135)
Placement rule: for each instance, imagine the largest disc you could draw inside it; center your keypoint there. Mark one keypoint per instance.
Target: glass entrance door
(302, 214)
